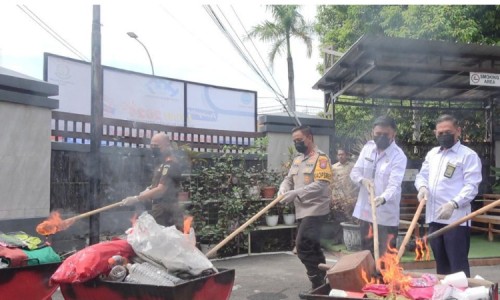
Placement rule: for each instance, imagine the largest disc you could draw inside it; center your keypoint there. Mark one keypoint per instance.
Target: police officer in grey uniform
(307, 186)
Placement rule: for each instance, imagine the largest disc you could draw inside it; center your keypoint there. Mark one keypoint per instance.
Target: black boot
(317, 280)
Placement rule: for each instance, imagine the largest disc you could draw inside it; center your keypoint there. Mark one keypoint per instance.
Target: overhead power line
(279, 96)
(50, 31)
(221, 26)
(257, 50)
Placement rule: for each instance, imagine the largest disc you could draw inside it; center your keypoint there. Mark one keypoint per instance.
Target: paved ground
(282, 276)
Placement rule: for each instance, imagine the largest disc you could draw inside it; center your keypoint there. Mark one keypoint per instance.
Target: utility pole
(96, 116)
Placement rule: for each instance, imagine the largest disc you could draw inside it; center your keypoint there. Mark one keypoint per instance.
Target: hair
(385, 121)
(446, 117)
(306, 130)
(343, 149)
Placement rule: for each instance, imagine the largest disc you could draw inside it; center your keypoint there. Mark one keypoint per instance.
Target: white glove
(367, 183)
(445, 211)
(129, 201)
(423, 193)
(281, 191)
(289, 197)
(379, 201)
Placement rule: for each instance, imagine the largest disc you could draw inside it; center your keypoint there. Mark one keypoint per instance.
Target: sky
(183, 41)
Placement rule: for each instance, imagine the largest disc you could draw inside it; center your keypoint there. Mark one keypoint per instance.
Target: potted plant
(272, 217)
(270, 183)
(288, 212)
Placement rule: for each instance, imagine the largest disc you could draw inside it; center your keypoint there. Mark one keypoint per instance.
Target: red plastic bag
(90, 262)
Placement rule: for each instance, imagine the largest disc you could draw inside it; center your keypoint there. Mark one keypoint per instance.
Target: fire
(187, 224)
(370, 232)
(53, 224)
(133, 220)
(422, 251)
(390, 271)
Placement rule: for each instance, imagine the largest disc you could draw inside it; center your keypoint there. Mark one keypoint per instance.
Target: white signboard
(126, 95)
(151, 99)
(223, 109)
(143, 98)
(487, 79)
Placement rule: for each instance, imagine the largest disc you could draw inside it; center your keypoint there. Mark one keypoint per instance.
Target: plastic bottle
(146, 273)
(117, 273)
(116, 260)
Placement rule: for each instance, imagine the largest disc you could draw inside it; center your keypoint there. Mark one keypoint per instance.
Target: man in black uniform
(165, 184)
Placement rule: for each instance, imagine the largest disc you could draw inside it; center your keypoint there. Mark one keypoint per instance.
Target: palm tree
(288, 23)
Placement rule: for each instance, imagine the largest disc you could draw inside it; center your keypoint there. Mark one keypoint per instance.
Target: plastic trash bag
(167, 246)
(90, 262)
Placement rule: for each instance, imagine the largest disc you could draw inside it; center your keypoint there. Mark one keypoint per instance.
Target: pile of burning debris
(148, 254)
(358, 276)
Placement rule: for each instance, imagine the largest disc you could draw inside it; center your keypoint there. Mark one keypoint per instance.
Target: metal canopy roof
(397, 68)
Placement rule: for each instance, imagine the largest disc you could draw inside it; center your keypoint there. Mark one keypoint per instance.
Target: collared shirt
(310, 176)
(450, 174)
(387, 170)
(167, 173)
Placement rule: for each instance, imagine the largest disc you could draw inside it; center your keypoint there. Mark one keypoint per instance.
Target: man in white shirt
(381, 164)
(449, 179)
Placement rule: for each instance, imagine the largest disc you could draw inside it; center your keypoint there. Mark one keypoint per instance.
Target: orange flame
(133, 220)
(187, 224)
(370, 232)
(53, 224)
(422, 251)
(392, 273)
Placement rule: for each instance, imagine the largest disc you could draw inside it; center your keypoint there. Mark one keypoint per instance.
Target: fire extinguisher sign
(487, 79)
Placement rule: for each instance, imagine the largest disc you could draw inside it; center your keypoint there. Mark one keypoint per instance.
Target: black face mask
(446, 140)
(155, 152)
(300, 147)
(382, 142)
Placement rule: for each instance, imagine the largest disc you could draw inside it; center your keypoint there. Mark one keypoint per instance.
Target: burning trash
(358, 276)
(152, 262)
(150, 254)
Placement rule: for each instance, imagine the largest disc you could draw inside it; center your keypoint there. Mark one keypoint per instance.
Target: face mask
(382, 142)
(156, 152)
(446, 140)
(300, 147)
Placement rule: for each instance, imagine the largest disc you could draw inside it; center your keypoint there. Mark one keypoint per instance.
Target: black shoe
(304, 294)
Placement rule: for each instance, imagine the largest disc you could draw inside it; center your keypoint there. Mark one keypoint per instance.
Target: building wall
(25, 113)
(25, 173)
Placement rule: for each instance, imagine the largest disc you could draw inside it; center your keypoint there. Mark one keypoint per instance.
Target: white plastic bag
(167, 246)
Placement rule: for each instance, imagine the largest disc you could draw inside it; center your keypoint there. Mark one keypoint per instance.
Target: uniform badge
(450, 169)
(323, 162)
(164, 171)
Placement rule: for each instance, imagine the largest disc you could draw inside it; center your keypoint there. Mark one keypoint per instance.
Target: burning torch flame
(52, 225)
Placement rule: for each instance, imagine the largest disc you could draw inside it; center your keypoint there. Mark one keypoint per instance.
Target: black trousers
(451, 249)
(386, 234)
(308, 243)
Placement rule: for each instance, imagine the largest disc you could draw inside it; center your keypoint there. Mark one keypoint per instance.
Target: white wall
(24, 161)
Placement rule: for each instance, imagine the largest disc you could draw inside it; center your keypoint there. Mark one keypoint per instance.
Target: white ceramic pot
(272, 220)
(289, 219)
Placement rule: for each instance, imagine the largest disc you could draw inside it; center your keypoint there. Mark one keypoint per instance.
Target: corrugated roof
(398, 68)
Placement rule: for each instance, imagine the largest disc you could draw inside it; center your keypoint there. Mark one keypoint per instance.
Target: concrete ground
(282, 276)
